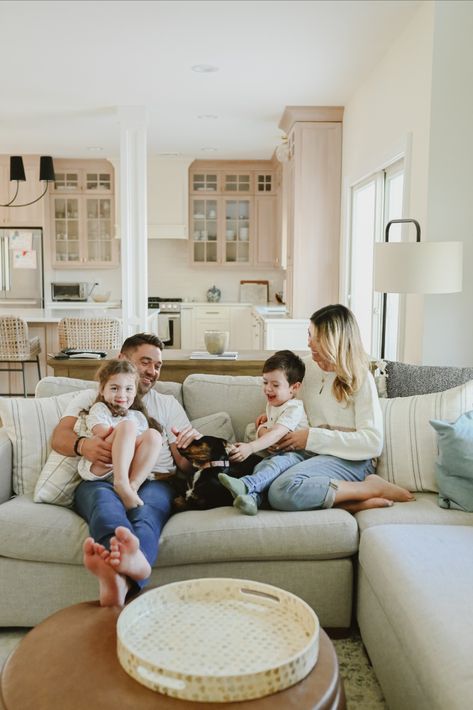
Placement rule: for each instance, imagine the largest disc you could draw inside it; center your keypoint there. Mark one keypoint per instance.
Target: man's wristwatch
(76, 445)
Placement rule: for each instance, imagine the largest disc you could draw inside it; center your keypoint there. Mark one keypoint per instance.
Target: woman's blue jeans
(312, 483)
(103, 510)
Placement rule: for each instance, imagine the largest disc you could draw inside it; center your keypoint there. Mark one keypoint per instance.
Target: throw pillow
(454, 465)
(29, 424)
(410, 447)
(218, 424)
(405, 380)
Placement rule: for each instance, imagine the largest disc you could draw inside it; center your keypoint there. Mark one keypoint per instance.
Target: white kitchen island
(42, 323)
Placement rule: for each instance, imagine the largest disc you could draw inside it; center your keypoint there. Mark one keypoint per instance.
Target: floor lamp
(415, 267)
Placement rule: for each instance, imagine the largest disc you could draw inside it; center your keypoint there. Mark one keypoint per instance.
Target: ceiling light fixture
(209, 150)
(95, 149)
(209, 116)
(204, 68)
(17, 172)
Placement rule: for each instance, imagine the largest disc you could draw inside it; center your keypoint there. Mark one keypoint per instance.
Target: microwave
(72, 291)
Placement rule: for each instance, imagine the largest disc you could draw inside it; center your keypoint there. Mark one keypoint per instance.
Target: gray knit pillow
(404, 380)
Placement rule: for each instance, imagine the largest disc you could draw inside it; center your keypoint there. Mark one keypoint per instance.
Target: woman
(337, 453)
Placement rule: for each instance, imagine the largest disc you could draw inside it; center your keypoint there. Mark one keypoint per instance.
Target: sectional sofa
(405, 573)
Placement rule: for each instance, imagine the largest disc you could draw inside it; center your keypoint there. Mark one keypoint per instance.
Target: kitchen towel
(163, 327)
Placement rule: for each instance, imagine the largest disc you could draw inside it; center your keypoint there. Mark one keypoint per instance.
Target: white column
(133, 220)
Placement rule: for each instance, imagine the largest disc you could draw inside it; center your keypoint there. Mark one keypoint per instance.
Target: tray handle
(160, 678)
(258, 593)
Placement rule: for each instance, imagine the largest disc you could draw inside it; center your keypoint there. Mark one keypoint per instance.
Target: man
(124, 544)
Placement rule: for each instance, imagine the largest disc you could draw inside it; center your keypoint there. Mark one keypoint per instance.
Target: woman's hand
(240, 452)
(186, 436)
(261, 420)
(294, 440)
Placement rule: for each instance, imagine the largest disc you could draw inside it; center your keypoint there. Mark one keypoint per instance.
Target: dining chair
(16, 347)
(90, 333)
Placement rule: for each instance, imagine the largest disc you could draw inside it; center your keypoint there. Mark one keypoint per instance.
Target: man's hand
(186, 436)
(240, 452)
(96, 449)
(294, 440)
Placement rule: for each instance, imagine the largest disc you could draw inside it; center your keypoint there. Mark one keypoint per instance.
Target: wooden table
(70, 661)
(177, 365)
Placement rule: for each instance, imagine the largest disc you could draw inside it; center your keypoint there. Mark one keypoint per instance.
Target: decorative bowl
(101, 297)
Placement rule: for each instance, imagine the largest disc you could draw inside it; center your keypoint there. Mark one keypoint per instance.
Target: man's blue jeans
(103, 510)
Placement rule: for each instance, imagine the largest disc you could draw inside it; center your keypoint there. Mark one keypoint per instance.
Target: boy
(283, 373)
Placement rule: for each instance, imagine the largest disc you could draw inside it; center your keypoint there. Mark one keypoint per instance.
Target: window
(374, 202)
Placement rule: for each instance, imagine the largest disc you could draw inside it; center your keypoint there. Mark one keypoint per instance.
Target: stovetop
(166, 305)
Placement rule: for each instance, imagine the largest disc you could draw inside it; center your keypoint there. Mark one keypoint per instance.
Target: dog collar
(209, 464)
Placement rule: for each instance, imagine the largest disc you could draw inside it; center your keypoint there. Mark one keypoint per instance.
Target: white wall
(386, 113)
(170, 274)
(448, 331)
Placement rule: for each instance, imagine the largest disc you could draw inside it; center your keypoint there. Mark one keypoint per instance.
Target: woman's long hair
(340, 344)
(123, 367)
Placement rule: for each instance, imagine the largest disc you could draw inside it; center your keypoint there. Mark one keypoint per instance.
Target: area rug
(362, 690)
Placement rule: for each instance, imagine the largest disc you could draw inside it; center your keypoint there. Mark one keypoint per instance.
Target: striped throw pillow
(410, 443)
(29, 424)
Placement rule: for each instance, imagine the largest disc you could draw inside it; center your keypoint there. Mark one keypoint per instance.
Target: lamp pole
(385, 295)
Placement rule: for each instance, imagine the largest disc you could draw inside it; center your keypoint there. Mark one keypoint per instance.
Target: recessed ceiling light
(94, 148)
(204, 68)
(207, 115)
(170, 155)
(209, 150)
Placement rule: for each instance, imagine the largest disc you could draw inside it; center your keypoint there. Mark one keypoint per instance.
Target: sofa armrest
(6, 462)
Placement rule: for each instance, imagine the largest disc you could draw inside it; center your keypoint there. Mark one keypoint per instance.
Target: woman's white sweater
(362, 415)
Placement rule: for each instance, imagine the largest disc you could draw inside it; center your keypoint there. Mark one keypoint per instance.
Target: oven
(169, 320)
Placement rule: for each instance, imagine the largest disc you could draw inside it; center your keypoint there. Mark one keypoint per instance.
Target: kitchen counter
(74, 305)
(54, 315)
(177, 365)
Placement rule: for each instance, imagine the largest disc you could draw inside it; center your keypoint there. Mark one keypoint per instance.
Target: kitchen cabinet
(311, 188)
(197, 318)
(233, 213)
(31, 215)
(257, 332)
(82, 215)
(285, 334)
(168, 197)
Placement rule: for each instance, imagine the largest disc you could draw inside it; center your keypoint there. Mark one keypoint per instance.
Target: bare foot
(384, 489)
(356, 506)
(129, 497)
(113, 585)
(126, 556)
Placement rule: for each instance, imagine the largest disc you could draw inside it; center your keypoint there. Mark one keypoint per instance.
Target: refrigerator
(21, 267)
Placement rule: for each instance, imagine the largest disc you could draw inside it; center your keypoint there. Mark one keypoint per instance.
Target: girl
(120, 417)
(345, 433)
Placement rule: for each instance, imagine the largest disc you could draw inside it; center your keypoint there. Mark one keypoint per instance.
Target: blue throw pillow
(454, 467)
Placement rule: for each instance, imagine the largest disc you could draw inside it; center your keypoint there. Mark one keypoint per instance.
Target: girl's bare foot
(356, 506)
(384, 489)
(113, 585)
(126, 556)
(128, 496)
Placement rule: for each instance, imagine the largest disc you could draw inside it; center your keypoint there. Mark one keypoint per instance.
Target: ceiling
(68, 66)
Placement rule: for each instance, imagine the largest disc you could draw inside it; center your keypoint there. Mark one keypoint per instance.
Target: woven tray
(218, 640)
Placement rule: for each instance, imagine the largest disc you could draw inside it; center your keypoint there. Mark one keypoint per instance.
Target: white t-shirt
(362, 414)
(291, 414)
(163, 407)
(99, 413)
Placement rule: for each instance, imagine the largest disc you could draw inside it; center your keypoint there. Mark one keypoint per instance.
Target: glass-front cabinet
(204, 229)
(82, 212)
(225, 227)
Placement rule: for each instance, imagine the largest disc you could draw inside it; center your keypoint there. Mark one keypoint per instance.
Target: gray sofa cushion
(50, 533)
(404, 380)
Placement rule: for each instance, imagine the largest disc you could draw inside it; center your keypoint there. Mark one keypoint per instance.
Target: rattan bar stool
(90, 333)
(15, 347)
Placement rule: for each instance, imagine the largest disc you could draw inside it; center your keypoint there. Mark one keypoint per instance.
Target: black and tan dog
(209, 457)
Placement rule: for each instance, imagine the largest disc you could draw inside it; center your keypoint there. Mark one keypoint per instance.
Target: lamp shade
(418, 267)
(17, 169)
(46, 169)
